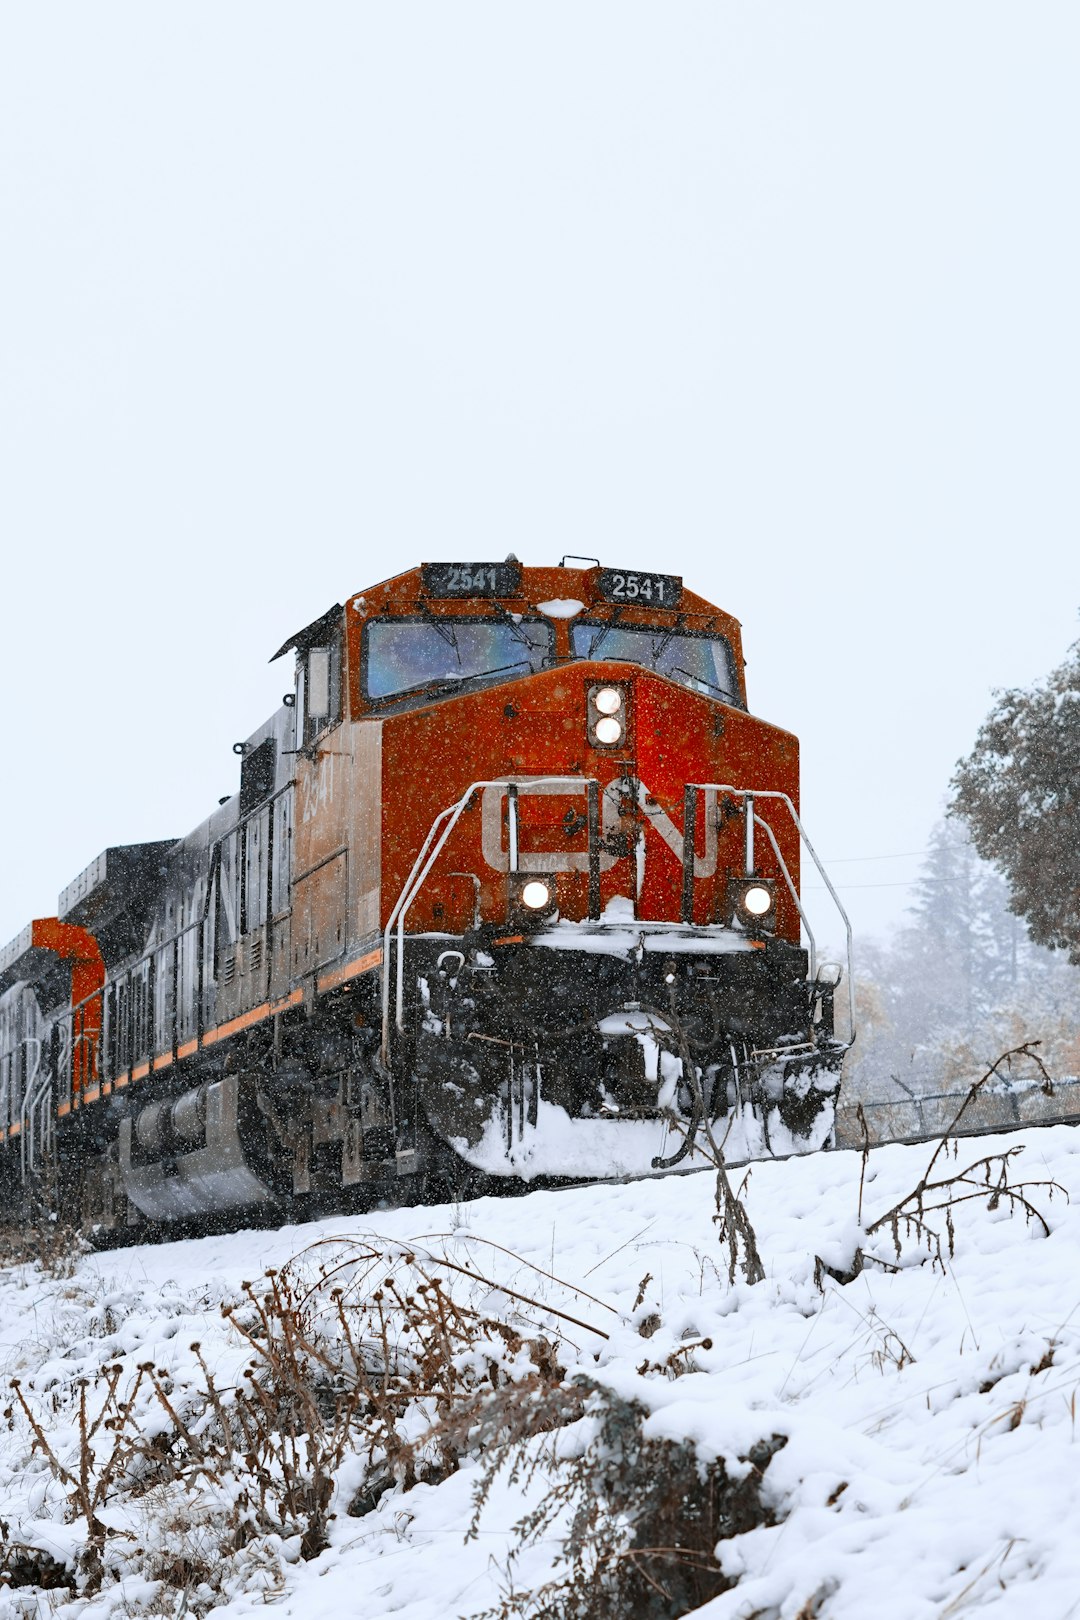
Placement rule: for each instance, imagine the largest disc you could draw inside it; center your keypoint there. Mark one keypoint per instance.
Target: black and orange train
(509, 892)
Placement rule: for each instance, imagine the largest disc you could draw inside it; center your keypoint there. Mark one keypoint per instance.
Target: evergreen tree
(959, 984)
(941, 941)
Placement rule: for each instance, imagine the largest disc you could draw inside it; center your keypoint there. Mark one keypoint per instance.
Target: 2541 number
(471, 579)
(657, 590)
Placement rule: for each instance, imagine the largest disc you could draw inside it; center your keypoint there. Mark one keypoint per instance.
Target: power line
(910, 884)
(901, 855)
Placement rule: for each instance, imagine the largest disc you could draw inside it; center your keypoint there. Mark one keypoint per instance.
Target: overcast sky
(780, 297)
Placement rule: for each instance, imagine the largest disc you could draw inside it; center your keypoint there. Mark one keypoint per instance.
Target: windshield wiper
(501, 669)
(699, 680)
(440, 625)
(507, 618)
(450, 683)
(441, 683)
(666, 637)
(602, 632)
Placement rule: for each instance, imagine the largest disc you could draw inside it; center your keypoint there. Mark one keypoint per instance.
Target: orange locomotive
(509, 891)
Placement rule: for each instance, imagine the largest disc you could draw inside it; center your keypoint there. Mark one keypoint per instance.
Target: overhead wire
(909, 884)
(898, 855)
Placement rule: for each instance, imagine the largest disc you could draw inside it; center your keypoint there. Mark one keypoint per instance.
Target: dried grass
(638, 1518)
(912, 1218)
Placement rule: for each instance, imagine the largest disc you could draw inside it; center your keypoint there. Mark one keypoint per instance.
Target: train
(508, 894)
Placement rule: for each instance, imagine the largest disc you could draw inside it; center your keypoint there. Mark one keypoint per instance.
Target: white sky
(782, 297)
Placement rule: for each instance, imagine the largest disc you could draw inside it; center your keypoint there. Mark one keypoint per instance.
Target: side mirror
(829, 975)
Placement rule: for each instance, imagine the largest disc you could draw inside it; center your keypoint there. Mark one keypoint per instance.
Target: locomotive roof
(560, 592)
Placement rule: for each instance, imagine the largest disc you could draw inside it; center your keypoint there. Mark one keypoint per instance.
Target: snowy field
(930, 1468)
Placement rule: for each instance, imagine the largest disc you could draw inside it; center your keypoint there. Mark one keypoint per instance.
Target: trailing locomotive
(509, 890)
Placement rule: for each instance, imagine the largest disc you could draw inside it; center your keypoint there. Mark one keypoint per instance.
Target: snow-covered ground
(931, 1468)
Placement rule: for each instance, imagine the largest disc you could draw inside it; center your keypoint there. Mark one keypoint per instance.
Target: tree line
(990, 955)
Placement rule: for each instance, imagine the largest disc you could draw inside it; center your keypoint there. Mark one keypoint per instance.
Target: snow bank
(930, 1465)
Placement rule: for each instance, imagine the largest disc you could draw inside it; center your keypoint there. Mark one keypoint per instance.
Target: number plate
(651, 590)
(471, 579)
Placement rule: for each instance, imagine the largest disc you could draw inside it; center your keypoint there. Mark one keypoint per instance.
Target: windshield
(704, 663)
(429, 655)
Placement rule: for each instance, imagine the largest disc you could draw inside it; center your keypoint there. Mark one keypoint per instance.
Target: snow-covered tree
(1018, 791)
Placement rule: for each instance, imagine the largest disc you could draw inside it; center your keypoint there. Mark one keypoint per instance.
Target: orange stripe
(244, 1021)
(62, 1108)
(90, 1096)
(13, 1130)
(293, 999)
(336, 976)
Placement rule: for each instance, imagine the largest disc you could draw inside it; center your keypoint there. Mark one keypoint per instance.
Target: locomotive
(509, 892)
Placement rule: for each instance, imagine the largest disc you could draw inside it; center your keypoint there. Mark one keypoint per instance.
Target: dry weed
(46, 1241)
(988, 1177)
(368, 1350)
(642, 1516)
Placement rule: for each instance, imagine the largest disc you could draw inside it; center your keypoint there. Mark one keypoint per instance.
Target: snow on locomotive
(509, 890)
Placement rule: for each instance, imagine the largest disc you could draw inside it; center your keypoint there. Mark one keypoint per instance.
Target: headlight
(757, 900)
(532, 899)
(753, 901)
(608, 715)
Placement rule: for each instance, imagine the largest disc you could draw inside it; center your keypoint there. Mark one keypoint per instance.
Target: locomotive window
(318, 691)
(433, 656)
(318, 683)
(703, 663)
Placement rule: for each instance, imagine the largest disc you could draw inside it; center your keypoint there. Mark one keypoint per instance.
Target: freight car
(509, 891)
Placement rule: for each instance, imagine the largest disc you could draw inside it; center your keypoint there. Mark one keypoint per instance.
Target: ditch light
(532, 898)
(753, 901)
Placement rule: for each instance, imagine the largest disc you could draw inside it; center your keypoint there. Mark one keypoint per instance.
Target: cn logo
(654, 818)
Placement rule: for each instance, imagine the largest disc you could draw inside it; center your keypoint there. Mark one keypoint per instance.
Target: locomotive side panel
(365, 869)
(336, 847)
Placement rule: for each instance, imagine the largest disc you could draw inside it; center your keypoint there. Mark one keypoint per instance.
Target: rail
(753, 820)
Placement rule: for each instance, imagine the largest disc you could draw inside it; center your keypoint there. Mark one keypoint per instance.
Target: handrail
(129, 976)
(793, 891)
(172, 942)
(30, 1100)
(772, 793)
(430, 849)
(133, 974)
